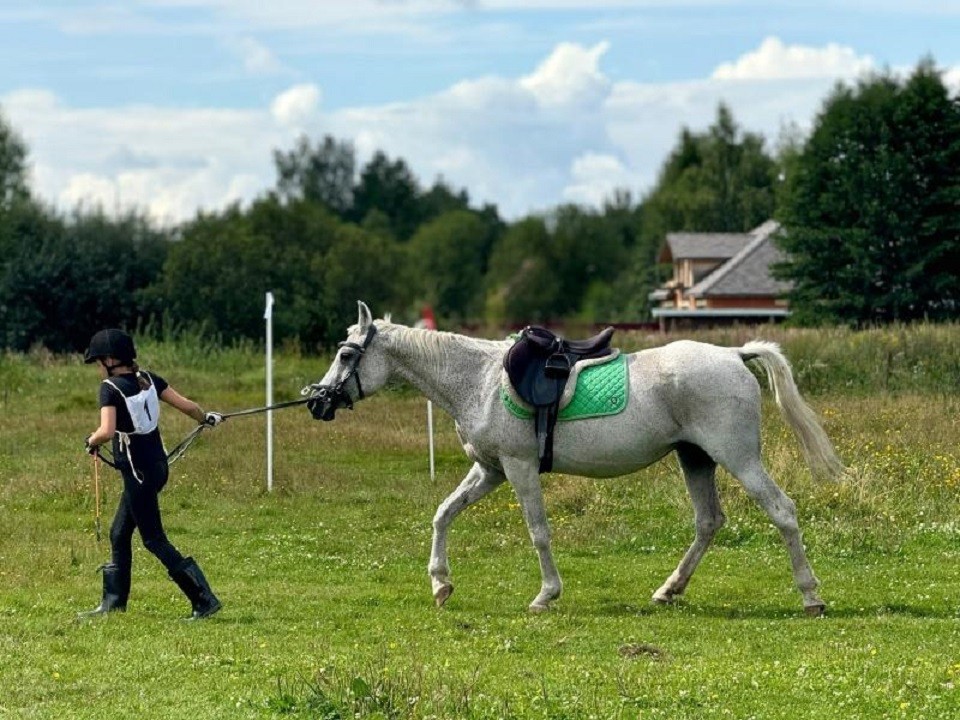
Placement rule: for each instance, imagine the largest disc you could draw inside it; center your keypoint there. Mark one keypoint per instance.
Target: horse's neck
(447, 371)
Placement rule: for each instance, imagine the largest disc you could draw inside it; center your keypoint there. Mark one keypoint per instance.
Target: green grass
(327, 606)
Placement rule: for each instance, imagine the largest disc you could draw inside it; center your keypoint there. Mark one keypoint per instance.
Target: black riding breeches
(140, 508)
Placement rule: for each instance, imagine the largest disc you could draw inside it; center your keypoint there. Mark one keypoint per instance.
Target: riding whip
(96, 493)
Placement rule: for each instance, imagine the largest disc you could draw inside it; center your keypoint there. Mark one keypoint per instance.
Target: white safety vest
(144, 408)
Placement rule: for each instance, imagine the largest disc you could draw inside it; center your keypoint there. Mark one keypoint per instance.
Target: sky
(171, 106)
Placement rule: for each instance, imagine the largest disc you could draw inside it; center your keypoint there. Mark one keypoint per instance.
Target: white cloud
(571, 75)
(595, 177)
(100, 19)
(489, 95)
(167, 162)
(644, 121)
(257, 58)
(89, 190)
(775, 61)
(32, 100)
(296, 106)
(564, 132)
(168, 194)
(951, 79)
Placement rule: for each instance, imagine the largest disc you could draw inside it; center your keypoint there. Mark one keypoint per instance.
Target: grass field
(327, 606)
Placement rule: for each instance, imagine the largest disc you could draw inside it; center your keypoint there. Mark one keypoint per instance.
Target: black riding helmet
(111, 343)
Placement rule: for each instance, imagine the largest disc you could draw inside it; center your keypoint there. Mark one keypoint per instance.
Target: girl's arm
(108, 425)
(185, 405)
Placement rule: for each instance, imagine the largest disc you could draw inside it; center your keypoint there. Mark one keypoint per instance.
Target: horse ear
(365, 317)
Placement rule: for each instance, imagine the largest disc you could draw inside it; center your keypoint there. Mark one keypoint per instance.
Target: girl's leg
(121, 534)
(185, 572)
(144, 503)
(116, 573)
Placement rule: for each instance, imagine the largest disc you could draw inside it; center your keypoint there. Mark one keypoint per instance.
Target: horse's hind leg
(783, 512)
(699, 472)
(477, 484)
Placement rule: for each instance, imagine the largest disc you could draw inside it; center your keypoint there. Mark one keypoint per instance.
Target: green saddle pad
(601, 390)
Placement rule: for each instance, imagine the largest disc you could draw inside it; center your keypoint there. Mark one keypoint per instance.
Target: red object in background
(429, 321)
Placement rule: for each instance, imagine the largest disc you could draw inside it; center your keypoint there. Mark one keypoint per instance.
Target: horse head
(348, 379)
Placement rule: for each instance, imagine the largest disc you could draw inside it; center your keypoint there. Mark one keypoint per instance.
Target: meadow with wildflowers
(327, 607)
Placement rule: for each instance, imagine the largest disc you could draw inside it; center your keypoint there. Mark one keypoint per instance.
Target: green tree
(30, 265)
(299, 235)
(448, 256)
(441, 199)
(361, 265)
(217, 274)
(560, 266)
(63, 279)
(871, 216)
(323, 173)
(317, 267)
(521, 286)
(13, 166)
(389, 187)
(587, 252)
(625, 298)
(718, 181)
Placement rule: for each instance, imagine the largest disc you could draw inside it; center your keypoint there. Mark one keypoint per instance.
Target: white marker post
(430, 433)
(429, 321)
(268, 317)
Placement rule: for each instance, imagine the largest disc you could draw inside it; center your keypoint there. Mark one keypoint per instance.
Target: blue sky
(172, 105)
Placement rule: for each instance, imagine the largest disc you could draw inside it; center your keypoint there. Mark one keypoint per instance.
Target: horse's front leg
(525, 478)
(477, 484)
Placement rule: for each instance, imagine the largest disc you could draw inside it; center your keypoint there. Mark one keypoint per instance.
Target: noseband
(337, 395)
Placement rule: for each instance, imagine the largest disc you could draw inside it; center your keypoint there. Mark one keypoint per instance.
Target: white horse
(696, 399)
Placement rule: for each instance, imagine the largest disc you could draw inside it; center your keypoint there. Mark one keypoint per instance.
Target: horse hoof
(536, 609)
(662, 599)
(815, 610)
(442, 595)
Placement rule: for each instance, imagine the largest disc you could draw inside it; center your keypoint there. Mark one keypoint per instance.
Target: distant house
(721, 278)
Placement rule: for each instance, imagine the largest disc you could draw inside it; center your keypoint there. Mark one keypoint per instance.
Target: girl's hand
(213, 419)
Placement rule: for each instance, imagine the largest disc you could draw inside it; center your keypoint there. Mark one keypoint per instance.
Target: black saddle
(538, 366)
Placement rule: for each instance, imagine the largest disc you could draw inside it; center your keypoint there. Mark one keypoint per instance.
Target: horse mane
(433, 347)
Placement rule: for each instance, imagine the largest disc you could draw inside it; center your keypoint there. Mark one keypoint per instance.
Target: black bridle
(326, 399)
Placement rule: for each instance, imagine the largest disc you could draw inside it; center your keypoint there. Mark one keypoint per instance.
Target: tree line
(869, 202)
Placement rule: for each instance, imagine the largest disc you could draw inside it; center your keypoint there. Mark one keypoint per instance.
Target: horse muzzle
(326, 401)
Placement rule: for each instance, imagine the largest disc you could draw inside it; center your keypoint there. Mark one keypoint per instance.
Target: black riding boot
(189, 578)
(116, 590)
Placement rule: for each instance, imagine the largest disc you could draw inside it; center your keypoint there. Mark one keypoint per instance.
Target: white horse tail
(817, 448)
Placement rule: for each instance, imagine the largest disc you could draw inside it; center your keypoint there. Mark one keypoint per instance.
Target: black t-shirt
(145, 449)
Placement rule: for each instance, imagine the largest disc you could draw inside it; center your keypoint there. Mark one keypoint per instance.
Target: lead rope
(182, 446)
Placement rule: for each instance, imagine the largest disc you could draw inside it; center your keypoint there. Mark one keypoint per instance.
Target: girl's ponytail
(143, 379)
